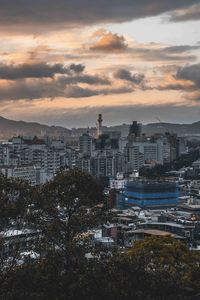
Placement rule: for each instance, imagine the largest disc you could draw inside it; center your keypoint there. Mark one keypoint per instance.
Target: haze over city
(63, 62)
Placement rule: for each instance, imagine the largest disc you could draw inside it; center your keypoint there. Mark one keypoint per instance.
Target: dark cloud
(77, 68)
(173, 53)
(186, 79)
(47, 14)
(181, 48)
(37, 70)
(73, 73)
(30, 89)
(85, 78)
(126, 75)
(190, 72)
(79, 92)
(190, 14)
(109, 42)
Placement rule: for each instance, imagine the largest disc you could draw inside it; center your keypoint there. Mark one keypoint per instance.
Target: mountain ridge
(9, 128)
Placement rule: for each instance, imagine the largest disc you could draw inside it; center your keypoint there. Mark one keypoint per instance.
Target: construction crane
(164, 126)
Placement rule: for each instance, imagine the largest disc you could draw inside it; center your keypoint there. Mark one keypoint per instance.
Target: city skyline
(63, 63)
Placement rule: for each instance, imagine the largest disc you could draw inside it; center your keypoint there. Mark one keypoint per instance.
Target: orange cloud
(109, 42)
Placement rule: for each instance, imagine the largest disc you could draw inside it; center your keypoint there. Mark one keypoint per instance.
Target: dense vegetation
(185, 160)
(64, 210)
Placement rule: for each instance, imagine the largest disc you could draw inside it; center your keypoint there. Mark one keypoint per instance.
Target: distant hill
(152, 128)
(9, 128)
(193, 128)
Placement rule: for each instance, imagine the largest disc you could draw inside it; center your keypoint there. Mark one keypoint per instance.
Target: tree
(157, 268)
(15, 197)
(64, 210)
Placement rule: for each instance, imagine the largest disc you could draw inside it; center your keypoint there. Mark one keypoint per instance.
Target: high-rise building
(135, 131)
(86, 144)
(134, 159)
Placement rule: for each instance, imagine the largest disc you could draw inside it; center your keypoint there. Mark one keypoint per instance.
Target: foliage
(185, 160)
(157, 268)
(65, 209)
(15, 198)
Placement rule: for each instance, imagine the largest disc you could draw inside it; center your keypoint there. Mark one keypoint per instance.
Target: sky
(64, 62)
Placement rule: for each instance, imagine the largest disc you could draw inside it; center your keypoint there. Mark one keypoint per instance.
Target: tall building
(181, 147)
(134, 159)
(86, 144)
(139, 153)
(135, 131)
(104, 143)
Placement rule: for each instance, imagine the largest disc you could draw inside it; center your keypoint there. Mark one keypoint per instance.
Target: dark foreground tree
(156, 269)
(65, 209)
(15, 197)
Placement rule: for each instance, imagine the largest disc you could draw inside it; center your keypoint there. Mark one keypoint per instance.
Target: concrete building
(32, 174)
(134, 159)
(86, 144)
(21, 153)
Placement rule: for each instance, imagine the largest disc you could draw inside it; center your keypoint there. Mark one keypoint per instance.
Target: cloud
(37, 70)
(191, 73)
(77, 68)
(112, 43)
(30, 89)
(186, 79)
(160, 53)
(126, 75)
(78, 92)
(85, 78)
(173, 86)
(43, 15)
(190, 14)
(194, 96)
(180, 49)
(109, 42)
(72, 74)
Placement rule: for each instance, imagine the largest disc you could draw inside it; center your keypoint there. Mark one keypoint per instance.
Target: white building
(27, 173)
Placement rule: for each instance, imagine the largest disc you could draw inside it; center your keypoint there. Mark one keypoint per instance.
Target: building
(34, 175)
(139, 153)
(86, 144)
(21, 156)
(147, 194)
(134, 159)
(18, 240)
(135, 131)
(118, 183)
